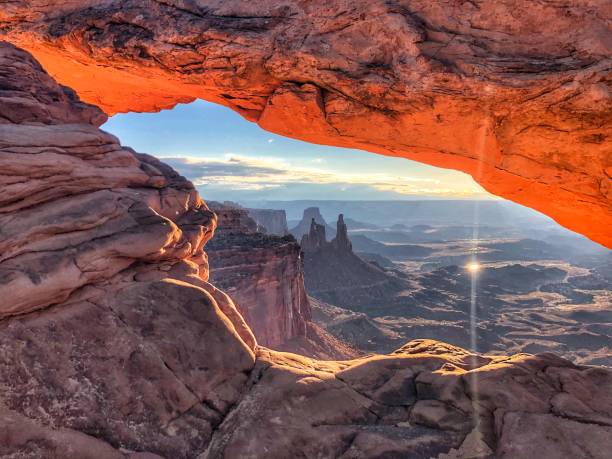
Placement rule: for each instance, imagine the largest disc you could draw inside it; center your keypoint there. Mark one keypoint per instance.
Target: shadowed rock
(337, 275)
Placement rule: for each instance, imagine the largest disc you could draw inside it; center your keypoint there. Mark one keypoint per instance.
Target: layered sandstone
(273, 220)
(114, 345)
(514, 93)
(262, 273)
(77, 208)
(101, 262)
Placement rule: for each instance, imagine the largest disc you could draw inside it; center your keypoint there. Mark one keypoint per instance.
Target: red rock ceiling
(121, 347)
(516, 93)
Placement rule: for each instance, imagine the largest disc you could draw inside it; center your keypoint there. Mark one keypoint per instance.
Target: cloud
(236, 172)
(270, 140)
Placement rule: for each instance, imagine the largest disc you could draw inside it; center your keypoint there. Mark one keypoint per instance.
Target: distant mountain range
(429, 212)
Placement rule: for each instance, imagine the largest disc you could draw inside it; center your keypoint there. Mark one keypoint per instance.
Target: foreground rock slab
(428, 399)
(472, 86)
(117, 374)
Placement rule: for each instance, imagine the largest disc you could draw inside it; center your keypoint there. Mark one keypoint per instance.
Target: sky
(229, 158)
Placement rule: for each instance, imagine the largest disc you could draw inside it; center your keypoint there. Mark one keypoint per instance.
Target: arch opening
(451, 261)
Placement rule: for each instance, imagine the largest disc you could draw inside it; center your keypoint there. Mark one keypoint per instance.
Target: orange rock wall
(515, 93)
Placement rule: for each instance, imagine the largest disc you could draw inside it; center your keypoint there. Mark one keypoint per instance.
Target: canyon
(336, 275)
(546, 293)
(264, 276)
(514, 93)
(114, 343)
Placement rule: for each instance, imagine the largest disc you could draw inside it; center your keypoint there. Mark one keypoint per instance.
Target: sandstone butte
(516, 93)
(264, 275)
(113, 344)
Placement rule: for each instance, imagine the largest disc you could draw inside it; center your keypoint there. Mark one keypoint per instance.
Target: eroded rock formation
(101, 263)
(315, 239)
(305, 225)
(335, 274)
(273, 220)
(264, 275)
(514, 93)
(341, 242)
(114, 345)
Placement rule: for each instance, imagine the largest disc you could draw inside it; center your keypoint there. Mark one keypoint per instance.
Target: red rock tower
(315, 239)
(341, 241)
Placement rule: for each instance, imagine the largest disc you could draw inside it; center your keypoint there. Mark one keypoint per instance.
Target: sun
(473, 267)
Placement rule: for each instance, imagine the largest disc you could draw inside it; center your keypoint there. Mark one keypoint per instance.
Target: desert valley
(537, 287)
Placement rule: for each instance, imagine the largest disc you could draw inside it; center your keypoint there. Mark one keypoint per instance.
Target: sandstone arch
(516, 93)
(114, 345)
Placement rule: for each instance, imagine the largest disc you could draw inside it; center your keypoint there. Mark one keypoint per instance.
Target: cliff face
(274, 221)
(101, 262)
(114, 345)
(474, 86)
(263, 274)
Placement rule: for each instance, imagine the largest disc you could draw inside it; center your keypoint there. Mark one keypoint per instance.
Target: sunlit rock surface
(514, 93)
(426, 400)
(114, 345)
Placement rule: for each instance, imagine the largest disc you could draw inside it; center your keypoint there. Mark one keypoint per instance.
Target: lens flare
(473, 267)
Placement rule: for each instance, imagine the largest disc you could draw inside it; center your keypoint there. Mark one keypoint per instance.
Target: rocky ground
(426, 400)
